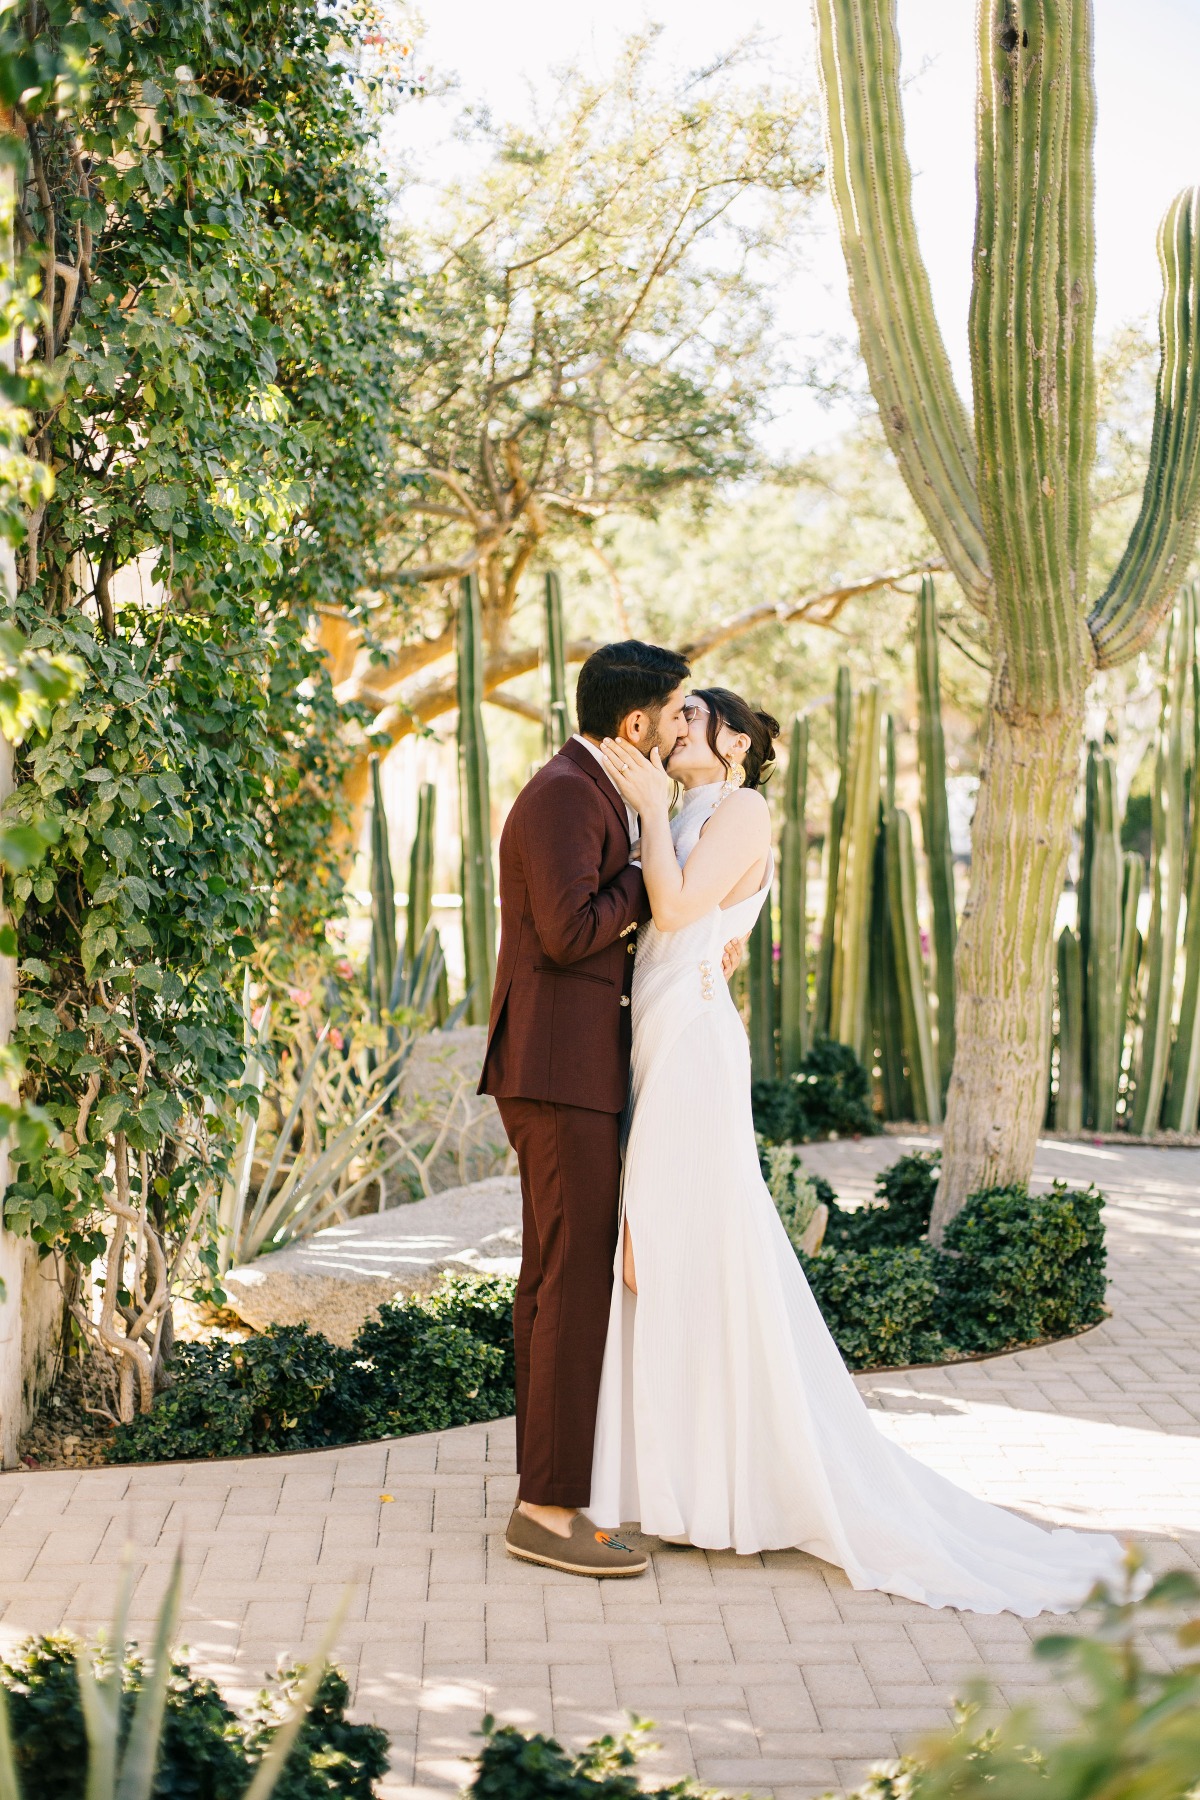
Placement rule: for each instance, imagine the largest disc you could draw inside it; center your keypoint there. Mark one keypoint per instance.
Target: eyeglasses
(694, 709)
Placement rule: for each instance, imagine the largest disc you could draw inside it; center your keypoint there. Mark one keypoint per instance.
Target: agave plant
(338, 1133)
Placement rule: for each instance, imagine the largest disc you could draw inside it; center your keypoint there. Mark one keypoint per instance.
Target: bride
(727, 1417)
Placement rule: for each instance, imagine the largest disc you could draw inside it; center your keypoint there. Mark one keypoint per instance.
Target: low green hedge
(418, 1365)
(1015, 1268)
(206, 1752)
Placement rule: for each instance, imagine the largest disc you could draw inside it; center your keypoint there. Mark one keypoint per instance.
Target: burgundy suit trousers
(570, 1162)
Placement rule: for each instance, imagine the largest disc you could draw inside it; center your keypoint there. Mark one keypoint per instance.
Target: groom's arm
(562, 843)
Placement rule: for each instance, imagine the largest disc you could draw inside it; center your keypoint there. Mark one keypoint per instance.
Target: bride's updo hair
(728, 708)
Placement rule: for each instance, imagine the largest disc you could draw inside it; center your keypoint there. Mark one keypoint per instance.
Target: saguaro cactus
(793, 906)
(935, 824)
(1007, 496)
(557, 707)
(478, 904)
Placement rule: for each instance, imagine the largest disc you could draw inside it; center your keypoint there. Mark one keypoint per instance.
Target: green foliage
(1133, 1727)
(283, 1390)
(205, 1751)
(880, 1304)
(421, 1364)
(516, 1766)
(830, 1094)
(1028, 1266)
(1015, 1268)
(904, 1201)
(212, 391)
(424, 1365)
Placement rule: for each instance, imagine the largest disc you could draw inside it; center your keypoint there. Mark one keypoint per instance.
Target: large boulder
(334, 1280)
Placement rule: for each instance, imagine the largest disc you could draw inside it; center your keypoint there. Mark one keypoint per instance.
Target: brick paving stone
(766, 1674)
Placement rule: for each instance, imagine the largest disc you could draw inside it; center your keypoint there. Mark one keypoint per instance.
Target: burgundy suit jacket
(569, 906)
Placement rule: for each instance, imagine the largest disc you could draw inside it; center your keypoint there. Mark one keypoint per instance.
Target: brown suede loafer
(586, 1552)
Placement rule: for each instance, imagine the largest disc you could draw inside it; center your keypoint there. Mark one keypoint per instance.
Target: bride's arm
(734, 842)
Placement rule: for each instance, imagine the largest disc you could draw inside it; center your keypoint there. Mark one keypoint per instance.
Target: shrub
(880, 1305)
(424, 1365)
(831, 1093)
(900, 1215)
(205, 1751)
(420, 1364)
(1028, 1266)
(284, 1390)
(513, 1766)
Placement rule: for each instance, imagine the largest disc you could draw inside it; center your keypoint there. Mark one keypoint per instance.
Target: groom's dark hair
(622, 678)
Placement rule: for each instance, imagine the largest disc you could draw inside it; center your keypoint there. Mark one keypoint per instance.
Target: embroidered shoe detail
(610, 1542)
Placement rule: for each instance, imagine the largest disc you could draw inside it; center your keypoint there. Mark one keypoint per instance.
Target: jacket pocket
(573, 974)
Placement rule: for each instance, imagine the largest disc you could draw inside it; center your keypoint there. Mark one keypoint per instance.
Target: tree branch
(814, 609)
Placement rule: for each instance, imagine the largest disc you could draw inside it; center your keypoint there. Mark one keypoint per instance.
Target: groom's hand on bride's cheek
(732, 955)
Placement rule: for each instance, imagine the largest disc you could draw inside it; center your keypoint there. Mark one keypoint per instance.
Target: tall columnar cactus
(1183, 1095)
(478, 904)
(1104, 1022)
(1069, 1114)
(935, 824)
(381, 961)
(763, 1006)
(910, 970)
(557, 707)
(886, 1017)
(842, 704)
(1166, 868)
(848, 1002)
(793, 906)
(420, 870)
(1133, 880)
(1005, 491)
(1084, 909)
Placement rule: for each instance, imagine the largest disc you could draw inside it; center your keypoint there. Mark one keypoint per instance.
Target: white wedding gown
(726, 1415)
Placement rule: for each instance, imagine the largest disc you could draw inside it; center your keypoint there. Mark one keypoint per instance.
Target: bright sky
(1147, 140)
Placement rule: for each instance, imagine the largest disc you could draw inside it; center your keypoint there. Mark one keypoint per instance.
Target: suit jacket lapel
(583, 759)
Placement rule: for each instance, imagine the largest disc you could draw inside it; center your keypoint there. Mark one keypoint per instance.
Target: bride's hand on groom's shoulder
(641, 781)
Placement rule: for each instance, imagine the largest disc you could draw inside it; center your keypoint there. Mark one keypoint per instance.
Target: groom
(557, 1061)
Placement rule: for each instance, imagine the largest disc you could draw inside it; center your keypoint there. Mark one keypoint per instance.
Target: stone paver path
(764, 1673)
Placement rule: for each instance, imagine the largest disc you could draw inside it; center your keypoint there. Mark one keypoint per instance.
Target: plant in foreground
(100, 1723)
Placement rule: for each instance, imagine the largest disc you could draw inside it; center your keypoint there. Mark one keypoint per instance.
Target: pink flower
(299, 996)
(336, 1039)
(256, 1017)
(344, 968)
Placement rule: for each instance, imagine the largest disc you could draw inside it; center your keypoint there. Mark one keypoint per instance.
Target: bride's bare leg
(628, 1272)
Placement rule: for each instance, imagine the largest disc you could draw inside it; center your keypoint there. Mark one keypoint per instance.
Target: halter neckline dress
(726, 1415)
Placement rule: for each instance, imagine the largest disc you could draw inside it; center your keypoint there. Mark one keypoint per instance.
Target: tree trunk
(1019, 845)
